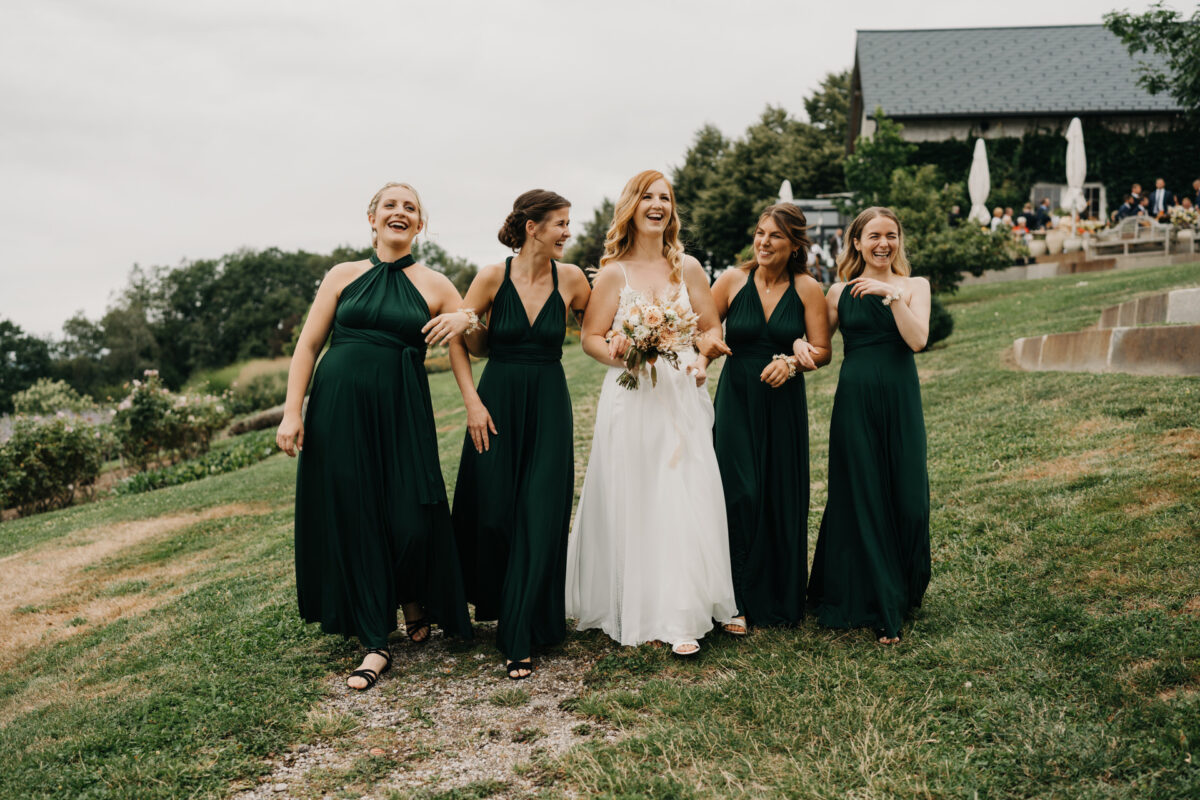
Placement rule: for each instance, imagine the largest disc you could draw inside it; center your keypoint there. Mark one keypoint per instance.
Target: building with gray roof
(1000, 82)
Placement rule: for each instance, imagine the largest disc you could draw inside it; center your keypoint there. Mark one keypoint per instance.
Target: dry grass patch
(1151, 501)
(48, 587)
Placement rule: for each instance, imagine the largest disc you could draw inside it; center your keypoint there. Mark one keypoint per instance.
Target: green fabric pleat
(761, 439)
(373, 528)
(872, 561)
(512, 503)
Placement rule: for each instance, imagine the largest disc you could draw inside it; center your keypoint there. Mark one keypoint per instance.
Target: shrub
(47, 396)
(941, 323)
(262, 391)
(154, 424)
(45, 461)
(246, 450)
(437, 359)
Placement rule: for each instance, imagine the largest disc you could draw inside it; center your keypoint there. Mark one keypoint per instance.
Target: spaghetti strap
(507, 267)
(623, 272)
(554, 273)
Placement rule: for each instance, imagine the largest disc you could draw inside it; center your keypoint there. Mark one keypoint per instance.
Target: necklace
(769, 286)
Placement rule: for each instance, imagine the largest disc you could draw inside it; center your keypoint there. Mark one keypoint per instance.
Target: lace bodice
(630, 296)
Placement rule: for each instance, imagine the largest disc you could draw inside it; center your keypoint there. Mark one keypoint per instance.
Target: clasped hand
(444, 327)
(862, 285)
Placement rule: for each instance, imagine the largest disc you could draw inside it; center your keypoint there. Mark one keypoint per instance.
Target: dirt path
(471, 726)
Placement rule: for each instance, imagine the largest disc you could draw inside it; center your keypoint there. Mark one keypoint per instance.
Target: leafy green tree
(1176, 39)
(460, 271)
(829, 107)
(878, 174)
(588, 245)
(23, 359)
(869, 169)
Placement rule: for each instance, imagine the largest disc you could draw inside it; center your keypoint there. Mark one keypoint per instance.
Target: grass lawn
(151, 648)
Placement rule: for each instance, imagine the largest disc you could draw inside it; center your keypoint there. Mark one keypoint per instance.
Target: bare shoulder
(731, 280)
(491, 275)
(692, 270)
(835, 292)
(609, 278)
(807, 284)
(571, 273)
(917, 283)
(342, 275)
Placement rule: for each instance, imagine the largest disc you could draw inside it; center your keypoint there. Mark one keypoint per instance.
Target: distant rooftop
(1063, 69)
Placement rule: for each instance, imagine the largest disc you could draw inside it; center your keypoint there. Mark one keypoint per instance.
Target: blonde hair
(850, 261)
(373, 206)
(621, 234)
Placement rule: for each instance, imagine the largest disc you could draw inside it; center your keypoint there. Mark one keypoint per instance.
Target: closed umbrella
(1074, 201)
(785, 191)
(979, 183)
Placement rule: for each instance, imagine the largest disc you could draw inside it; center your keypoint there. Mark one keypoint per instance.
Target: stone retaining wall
(1161, 350)
(1179, 306)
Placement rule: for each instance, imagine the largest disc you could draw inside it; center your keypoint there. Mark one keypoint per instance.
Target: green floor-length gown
(373, 528)
(872, 561)
(512, 503)
(761, 438)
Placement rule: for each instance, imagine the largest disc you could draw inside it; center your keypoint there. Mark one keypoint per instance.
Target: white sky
(150, 131)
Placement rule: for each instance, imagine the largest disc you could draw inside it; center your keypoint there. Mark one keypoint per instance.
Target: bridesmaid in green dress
(512, 502)
(872, 561)
(761, 431)
(373, 530)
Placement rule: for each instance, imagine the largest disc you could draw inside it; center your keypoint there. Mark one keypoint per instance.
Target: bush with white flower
(47, 460)
(47, 396)
(154, 424)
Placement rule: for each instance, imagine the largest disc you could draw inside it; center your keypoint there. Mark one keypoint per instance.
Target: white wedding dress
(648, 556)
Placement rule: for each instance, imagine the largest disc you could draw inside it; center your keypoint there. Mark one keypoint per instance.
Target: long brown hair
(794, 225)
(621, 234)
(850, 261)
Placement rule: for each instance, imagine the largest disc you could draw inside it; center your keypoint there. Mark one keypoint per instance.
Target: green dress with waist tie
(373, 526)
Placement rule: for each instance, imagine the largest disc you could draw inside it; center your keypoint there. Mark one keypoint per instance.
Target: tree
(878, 174)
(869, 169)
(460, 271)
(829, 108)
(23, 359)
(588, 245)
(1167, 33)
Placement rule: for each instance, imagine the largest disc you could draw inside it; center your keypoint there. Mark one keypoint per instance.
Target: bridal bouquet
(655, 329)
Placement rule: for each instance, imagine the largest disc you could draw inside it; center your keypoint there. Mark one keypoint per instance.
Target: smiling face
(396, 219)
(553, 231)
(879, 243)
(771, 246)
(653, 210)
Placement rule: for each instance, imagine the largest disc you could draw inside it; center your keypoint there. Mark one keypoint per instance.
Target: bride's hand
(697, 369)
(618, 343)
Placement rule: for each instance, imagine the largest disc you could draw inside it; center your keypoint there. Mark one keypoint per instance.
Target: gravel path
(437, 721)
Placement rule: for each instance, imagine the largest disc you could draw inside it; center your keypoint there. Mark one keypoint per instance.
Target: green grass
(1057, 654)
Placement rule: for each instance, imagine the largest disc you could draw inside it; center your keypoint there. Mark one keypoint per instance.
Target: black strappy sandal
(513, 667)
(415, 627)
(370, 675)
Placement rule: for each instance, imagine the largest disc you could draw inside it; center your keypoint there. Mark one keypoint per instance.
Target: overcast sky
(150, 131)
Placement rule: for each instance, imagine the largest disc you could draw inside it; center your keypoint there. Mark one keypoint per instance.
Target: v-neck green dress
(373, 527)
(872, 561)
(512, 502)
(761, 438)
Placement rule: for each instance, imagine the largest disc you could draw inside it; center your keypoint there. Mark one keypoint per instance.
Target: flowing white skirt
(648, 557)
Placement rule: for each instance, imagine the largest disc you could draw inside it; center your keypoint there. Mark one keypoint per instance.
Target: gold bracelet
(473, 323)
(790, 361)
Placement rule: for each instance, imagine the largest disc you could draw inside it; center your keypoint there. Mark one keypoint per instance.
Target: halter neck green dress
(761, 438)
(512, 502)
(872, 561)
(373, 528)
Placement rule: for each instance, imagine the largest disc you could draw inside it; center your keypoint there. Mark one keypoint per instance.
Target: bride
(648, 555)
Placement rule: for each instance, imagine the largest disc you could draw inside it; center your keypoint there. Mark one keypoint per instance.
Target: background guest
(1161, 199)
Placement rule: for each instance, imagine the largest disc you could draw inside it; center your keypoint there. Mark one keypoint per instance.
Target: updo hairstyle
(533, 206)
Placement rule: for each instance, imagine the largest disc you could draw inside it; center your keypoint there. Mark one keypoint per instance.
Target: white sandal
(736, 626)
(679, 648)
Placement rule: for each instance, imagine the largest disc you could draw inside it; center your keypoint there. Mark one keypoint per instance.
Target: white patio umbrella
(1073, 200)
(785, 191)
(979, 183)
